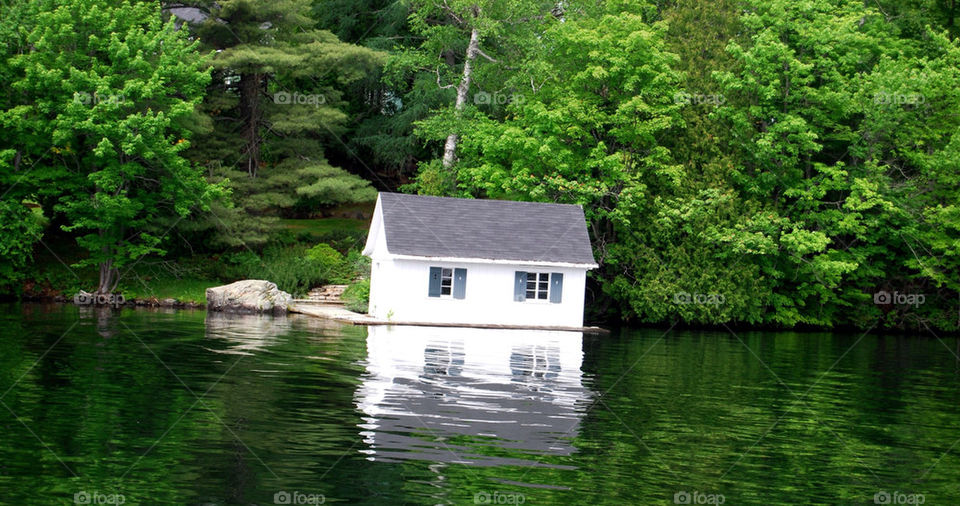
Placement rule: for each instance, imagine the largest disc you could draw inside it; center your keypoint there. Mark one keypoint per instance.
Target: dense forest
(758, 162)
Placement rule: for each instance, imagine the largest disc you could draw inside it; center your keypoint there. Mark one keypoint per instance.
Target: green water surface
(181, 407)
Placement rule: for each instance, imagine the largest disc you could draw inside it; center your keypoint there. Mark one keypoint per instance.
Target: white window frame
(537, 291)
(446, 275)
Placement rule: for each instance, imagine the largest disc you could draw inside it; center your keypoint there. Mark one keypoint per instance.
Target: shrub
(292, 270)
(20, 228)
(325, 256)
(358, 265)
(356, 297)
(234, 265)
(343, 240)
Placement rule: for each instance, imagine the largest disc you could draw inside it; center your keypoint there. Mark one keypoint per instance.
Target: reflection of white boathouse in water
(444, 394)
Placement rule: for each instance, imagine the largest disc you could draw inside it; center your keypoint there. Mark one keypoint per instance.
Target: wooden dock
(343, 315)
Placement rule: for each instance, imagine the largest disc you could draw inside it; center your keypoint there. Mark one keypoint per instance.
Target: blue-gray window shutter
(520, 286)
(556, 287)
(434, 282)
(459, 283)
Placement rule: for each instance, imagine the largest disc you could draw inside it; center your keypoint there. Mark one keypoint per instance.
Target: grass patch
(184, 290)
(322, 226)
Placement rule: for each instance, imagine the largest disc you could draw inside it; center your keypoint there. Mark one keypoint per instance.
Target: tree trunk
(252, 114)
(951, 18)
(450, 148)
(109, 277)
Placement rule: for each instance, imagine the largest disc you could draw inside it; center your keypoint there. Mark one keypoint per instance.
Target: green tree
(473, 51)
(384, 105)
(274, 105)
(20, 228)
(830, 115)
(102, 93)
(592, 132)
(912, 17)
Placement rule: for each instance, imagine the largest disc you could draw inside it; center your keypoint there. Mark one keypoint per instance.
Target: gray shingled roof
(489, 229)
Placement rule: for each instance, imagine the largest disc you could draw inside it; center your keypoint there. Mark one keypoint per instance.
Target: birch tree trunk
(450, 147)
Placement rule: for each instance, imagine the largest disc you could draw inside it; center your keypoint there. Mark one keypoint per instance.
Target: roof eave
(496, 261)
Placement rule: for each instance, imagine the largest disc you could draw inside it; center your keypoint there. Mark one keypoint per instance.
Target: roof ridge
(410, 195)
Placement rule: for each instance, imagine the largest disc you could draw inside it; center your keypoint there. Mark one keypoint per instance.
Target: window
(448, 282)
(538, 285)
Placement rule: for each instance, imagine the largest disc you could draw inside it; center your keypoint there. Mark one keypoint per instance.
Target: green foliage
(341, 239)
(291, 270)
(793, 158)
(324, 254)
(294, 268)
(288, 267)
(181, 289)
(357, 296)
(96, 129)
(326, 229)
(358, 265)
(815, 165)
(844, 132)
(20, 229)
(328, 261)
(234, 266)
(273, 107)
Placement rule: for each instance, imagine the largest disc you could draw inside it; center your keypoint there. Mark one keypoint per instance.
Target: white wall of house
(399, 291)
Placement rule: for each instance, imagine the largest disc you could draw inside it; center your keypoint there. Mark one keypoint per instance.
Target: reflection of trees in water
(104, 400)
(95, 397)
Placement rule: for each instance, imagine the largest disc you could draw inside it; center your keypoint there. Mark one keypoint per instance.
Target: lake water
(159, 407)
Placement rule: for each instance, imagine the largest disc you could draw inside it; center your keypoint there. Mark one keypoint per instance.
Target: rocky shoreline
(147, 302)
(246, 296)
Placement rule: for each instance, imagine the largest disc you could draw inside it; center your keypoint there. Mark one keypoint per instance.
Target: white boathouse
(469, 261)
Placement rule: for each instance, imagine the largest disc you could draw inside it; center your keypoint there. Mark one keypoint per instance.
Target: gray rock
(248, 296)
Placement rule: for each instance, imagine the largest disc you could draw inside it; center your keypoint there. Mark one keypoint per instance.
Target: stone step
(315, 302)
(312, 295)
(327, 293)
(329, 288)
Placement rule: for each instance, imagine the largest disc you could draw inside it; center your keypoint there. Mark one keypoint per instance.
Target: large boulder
(248, 296)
